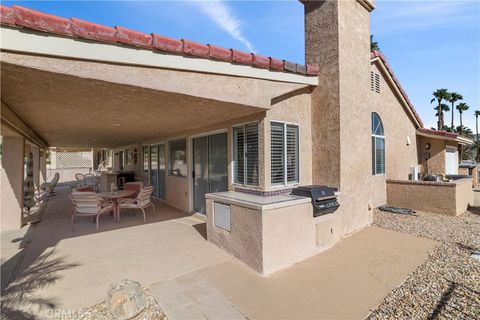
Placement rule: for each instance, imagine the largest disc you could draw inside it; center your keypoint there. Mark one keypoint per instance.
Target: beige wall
(12, 172)
(354, 28)
(288, 236)
(270, 240)
(295, 109)
(398, 128)
(245, 239)
(435, 197)
(433, 160)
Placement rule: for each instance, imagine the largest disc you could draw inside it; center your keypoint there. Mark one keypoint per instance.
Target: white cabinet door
(451, 160)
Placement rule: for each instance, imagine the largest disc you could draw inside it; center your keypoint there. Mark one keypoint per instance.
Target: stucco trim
(33, 42)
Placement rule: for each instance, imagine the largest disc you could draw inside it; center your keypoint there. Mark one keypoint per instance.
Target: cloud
(223, 16)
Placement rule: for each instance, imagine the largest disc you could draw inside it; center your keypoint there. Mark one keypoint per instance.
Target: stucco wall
(245, 239)
(398, 127)
(288, 236)
(337, 37)
(12, 175)
(295, 109)
(355, 110)
(433, 160)
(268, 240)
(436, 197)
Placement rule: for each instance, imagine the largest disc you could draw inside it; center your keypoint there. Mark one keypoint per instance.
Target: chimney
(337, 40)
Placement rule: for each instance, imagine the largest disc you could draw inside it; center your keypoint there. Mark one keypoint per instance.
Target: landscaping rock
(125, 299)
(447, 284)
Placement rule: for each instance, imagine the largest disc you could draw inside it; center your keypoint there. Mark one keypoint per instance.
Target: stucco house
(220, 132)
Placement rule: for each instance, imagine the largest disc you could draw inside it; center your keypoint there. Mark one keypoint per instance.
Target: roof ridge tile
(132, 37)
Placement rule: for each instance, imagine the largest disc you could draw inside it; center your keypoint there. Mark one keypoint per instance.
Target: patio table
(114, 196)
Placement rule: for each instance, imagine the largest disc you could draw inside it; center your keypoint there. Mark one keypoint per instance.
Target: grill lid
(315, 192)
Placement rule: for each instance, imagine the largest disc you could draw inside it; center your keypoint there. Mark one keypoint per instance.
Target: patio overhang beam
(451, 137)
(33, 42)
(9, 118)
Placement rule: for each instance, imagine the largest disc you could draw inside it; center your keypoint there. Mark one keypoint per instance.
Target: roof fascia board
(38, 43)
(397, 91)
(433, 136)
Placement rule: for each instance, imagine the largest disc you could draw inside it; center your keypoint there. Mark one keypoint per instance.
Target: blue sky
(429, 44)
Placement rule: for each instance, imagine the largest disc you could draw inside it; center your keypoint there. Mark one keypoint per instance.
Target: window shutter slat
(277, 153)
(238, 154)
(292, 154)
(251, 133)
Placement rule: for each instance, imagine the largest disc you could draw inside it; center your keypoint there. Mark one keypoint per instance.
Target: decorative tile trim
(265, 193)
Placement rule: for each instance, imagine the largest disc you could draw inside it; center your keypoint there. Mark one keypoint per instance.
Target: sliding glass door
(210, 168)
(157, 170)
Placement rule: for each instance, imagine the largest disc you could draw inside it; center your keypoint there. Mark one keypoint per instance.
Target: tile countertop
(255, 202)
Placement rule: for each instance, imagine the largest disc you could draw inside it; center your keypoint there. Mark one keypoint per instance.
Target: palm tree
(477, 114)
(445, 108)
(461, 107)
(373, 44)
(466, 131)
(439, 96)
(452, 98)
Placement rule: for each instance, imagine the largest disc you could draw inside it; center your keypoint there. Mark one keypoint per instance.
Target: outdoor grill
(324, 200)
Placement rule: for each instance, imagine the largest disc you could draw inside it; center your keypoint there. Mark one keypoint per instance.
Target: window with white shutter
(245, 154)
(378, 145)
(284, 153)
(178, 158)
(277, 152)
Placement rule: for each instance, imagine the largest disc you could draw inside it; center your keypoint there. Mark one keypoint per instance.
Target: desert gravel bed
(99, 311)
(447, 284)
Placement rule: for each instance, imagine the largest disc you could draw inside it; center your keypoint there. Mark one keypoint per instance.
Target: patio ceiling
(71, 111)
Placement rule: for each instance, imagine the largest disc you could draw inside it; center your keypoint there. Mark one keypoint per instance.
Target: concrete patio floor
(169, 253)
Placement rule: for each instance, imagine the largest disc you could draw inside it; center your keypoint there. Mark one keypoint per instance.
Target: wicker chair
(142, 201)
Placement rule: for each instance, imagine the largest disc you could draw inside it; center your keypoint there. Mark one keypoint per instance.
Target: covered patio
(190, 276)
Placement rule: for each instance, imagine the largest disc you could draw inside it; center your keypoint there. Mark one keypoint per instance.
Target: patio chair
(142, 201)
(89, 204)
(91, 181)
(80, 177)
(137, 186)
(49, 187)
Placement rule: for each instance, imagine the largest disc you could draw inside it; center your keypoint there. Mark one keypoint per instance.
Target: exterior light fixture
(427, 146)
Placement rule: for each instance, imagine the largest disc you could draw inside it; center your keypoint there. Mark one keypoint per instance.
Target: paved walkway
(192, 278)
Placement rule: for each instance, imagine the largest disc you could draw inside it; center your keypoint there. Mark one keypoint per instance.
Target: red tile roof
(439, 133)
(31, 19)
(378, 54)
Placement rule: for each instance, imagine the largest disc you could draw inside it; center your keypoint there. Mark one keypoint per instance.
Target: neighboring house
(194, 119)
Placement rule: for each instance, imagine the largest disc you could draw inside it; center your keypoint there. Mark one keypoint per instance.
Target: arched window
(378, 145)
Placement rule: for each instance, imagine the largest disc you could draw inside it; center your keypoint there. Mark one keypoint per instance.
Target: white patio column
(12, 172)
(36, 165)
(43, 166)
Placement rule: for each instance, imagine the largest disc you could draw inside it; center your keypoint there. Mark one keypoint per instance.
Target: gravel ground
(100, 312)
(447, 284)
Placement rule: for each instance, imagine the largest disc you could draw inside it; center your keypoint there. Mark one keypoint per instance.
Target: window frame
(169, 157)
(146, 166)
(285, 158)
(243, 126)
(374, 139)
